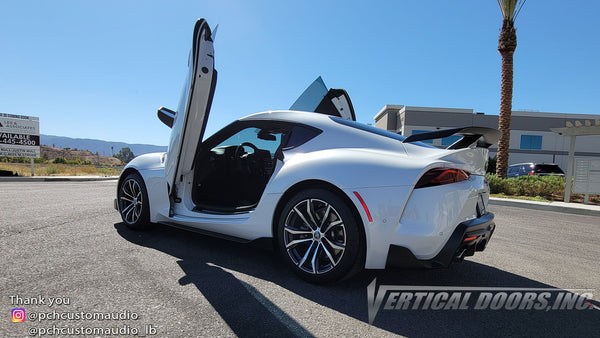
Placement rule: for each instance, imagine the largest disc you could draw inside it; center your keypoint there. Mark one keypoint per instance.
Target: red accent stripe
(469, 238)
(364, 205)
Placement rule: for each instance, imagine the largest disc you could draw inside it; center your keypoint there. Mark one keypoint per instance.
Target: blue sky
(100, 69)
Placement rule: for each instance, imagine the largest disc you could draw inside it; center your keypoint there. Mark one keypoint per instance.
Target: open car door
(189, 122)
(316, 98)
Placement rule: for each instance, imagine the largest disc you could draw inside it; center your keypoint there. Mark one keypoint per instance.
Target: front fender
(152, 169)
(147, 162)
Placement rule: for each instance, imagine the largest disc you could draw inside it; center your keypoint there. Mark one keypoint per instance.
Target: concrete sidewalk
(56, 178)
(571, 208)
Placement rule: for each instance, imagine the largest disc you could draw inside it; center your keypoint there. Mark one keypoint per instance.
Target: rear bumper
(468, 237)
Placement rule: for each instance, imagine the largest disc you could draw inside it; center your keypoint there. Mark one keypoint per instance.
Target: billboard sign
(19, 135)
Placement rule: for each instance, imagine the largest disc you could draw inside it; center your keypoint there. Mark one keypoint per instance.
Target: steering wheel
(242, 160)
(240, 152)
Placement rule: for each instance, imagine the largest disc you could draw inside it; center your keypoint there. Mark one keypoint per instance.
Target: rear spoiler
(485, 137)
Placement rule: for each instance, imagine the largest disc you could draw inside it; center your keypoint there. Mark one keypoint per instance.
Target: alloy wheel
(131, 201)
(314, 236)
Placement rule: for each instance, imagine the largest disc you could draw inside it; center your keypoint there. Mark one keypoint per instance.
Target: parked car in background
(540, 169)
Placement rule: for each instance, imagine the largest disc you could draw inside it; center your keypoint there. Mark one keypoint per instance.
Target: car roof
(337, 132)
(290, 115)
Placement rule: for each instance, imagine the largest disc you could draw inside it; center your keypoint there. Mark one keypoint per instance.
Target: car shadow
(207, 263)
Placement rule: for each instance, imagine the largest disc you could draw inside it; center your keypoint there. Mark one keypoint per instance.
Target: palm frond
(510, 8)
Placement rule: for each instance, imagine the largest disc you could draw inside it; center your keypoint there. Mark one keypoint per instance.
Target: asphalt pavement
(64, 240)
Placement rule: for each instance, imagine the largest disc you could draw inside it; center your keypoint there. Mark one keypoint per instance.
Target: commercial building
(531, 139)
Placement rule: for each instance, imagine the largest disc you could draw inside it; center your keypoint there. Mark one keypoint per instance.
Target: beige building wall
(525, 125)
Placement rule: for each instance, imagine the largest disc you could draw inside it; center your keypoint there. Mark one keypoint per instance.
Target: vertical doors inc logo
(415, 297)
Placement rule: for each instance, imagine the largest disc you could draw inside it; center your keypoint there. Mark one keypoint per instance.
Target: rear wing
(484, 137)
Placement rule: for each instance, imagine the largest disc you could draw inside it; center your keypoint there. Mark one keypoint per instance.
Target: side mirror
(166, 116)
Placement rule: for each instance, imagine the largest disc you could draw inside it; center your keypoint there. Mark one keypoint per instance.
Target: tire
(133, 202)
(319, 237)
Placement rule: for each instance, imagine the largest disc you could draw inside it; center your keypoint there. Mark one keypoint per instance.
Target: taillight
(440, 176)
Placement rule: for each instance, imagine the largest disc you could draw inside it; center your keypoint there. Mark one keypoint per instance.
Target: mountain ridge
(100, 146)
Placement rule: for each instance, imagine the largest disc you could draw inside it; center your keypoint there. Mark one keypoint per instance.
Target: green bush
(59, 160)
(531, 185)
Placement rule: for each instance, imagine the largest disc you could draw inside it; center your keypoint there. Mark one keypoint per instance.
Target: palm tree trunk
(505, 113)
(507, 43)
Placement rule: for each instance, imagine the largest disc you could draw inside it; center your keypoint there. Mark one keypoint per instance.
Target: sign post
(20, 136)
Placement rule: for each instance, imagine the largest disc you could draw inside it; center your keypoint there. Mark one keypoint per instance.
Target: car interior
(232, 176)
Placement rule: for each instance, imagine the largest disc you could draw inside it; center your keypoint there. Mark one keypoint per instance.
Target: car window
(522, 170)
(255, 136)
(548, 168)
(300, 135)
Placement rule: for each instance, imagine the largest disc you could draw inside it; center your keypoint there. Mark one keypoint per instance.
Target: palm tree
(507, 43)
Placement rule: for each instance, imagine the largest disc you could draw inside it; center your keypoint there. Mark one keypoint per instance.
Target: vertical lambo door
(190, 119)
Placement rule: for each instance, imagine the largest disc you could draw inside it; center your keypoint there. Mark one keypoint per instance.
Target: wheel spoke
(325, 216)
(306, 222)
(297, 241)
(313, 261)
(128, 214)
(126, 199)
(128, 207)
(331, 225)
(333, 262)
(131, 187)
(306, 255)
(125, 191)
(311, 214)
(297, 232)
(333, 245)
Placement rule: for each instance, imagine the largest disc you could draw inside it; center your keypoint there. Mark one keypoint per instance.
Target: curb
(57, 178)
(569, 208)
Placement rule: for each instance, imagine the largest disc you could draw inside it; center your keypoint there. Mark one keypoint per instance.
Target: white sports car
(335, 195)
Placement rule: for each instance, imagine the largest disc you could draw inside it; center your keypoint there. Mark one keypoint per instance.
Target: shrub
(531, 185)
(491, 167)
(59, 160)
